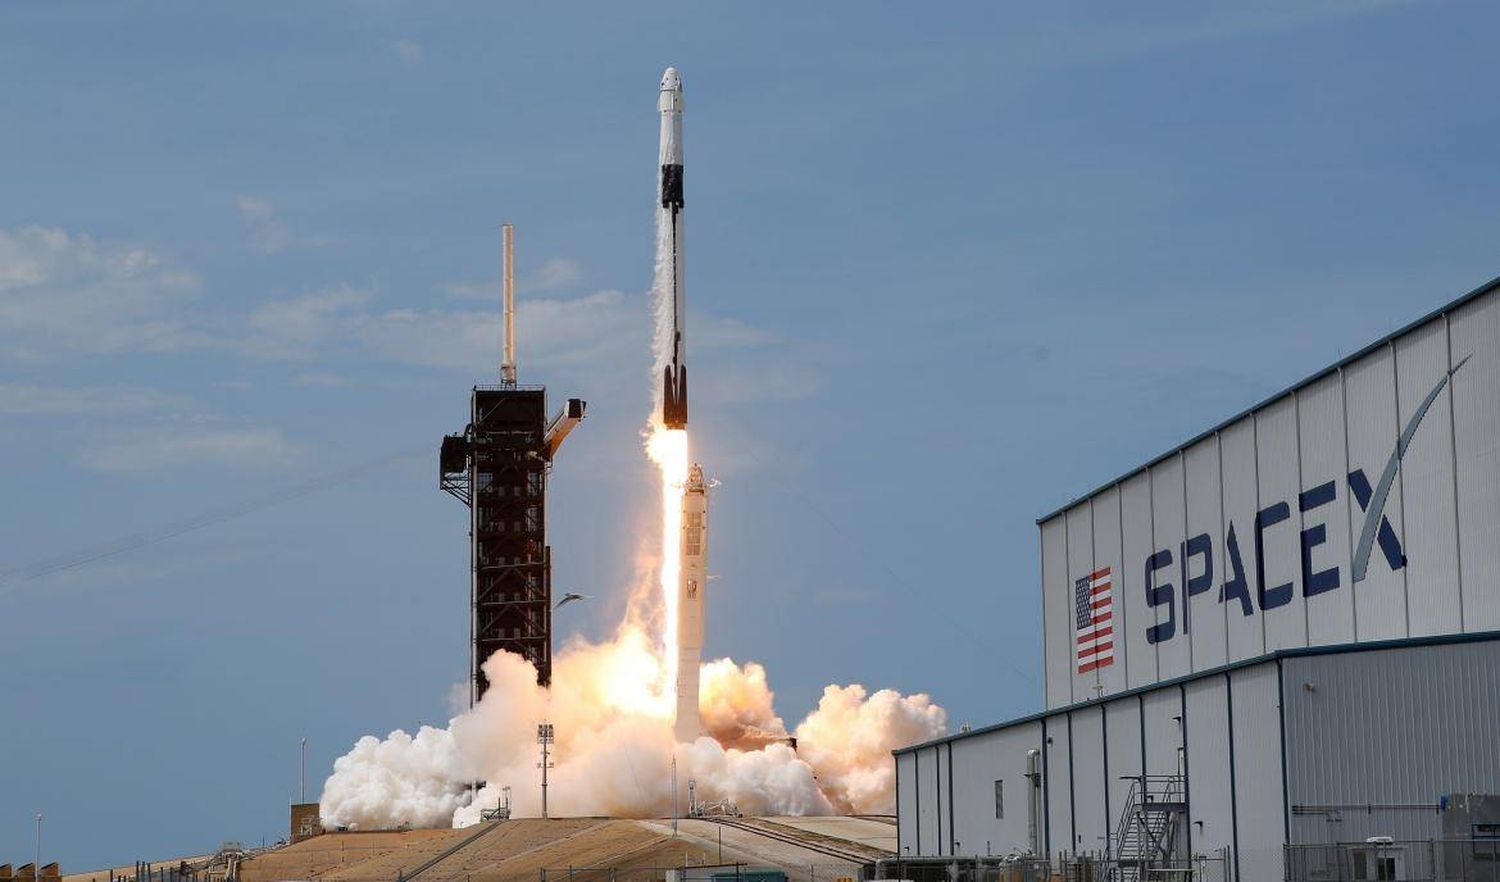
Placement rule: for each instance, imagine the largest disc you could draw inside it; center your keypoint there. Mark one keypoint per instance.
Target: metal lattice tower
(498, 468)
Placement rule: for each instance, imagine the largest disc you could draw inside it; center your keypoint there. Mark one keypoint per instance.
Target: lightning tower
(498, 467)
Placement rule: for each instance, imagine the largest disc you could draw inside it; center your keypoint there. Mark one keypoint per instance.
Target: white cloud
(267, 234)
(295, 328)
(64, 293)
(186, 446)
(596, 329)
(602, 329)
(409, 51)
(556, 273)
(20, 398)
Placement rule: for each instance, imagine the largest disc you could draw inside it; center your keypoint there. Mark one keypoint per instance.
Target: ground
(583, 850)
(576, 849)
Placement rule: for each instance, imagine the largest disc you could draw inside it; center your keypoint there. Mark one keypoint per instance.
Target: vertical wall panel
(1370, 408)
(1206, 709)
(1320, 415)
(906, 803)
(1257, 765)
(1107, 553)
(1088, 779)
(1161, 710)
(1430, 536)
(1122, 729)
(927, 801)
(1237, 452)
(1278, 469)
(1169, 520)
(943, 843)
(1205, 618)
(1130, 596)
(1057, 614)
(1059, 786)
(1080, 565)
(1475, 332)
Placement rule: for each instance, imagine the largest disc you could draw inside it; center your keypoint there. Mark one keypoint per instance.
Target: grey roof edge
(1342, 363)
(1297, 652)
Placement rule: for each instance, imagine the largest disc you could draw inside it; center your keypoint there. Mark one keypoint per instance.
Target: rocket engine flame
(612, 703)
(668, 448)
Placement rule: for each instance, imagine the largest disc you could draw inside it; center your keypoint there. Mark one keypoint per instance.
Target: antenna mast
(508, 287)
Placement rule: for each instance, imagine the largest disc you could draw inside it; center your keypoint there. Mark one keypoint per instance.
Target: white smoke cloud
(611, 705)
(615, 748)
(849, 738)
(401, 780)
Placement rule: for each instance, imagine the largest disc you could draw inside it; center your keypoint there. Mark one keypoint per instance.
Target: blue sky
(947, 269)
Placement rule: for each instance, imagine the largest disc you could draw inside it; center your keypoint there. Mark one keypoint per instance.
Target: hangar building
(1282, 635)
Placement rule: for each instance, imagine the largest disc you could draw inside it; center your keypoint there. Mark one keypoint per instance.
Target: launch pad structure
(498, 467)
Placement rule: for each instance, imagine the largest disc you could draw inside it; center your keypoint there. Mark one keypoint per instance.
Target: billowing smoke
(611, 705)
(615, 748)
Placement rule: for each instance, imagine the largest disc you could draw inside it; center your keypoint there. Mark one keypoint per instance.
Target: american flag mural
(1093, 601)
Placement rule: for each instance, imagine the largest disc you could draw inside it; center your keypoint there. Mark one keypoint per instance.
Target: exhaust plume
(615, 746)
(612, 703)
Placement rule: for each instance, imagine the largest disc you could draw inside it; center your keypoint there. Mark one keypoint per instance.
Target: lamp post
(37, 867)
(302, 772)
(544, 737)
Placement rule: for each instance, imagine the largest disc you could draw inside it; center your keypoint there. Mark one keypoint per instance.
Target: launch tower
(498, 468)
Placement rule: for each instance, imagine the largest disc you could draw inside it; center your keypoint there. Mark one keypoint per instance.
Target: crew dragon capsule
(674, 406)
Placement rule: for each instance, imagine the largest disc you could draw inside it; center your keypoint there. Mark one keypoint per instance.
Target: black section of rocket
(674, 406)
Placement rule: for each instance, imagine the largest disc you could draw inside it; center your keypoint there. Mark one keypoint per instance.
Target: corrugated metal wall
(1292, 481)
(966, 812)
(1122, 727)
(1091, 826)
(1258, 804)
(906, 803)
(1387, 728)
(1206, 711)
(1089, 751)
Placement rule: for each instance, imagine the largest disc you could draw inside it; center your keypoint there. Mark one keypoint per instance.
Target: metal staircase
(1147, 833)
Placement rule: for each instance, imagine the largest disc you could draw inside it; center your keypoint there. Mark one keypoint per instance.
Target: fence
(1209, 867)
(1424, 860)
(701, 873)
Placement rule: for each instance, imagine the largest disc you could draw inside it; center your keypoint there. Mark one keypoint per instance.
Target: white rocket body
(691, 582)
(669, 193)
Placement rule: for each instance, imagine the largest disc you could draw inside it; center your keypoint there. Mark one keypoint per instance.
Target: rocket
(692, 579)
(669, 190)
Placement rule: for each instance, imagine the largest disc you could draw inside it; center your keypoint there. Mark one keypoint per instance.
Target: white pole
(38, 865)
(302, 772)
(508, 292)
(674, 794)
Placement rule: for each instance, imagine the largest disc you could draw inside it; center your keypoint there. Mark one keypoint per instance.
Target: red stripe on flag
(1102, 632)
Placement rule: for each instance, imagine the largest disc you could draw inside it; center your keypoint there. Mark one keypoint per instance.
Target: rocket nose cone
(670, 81)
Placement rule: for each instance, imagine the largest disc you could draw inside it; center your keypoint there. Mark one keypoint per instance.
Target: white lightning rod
(508, 287)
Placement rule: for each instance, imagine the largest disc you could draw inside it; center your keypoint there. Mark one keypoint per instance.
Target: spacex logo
(1195, 557)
